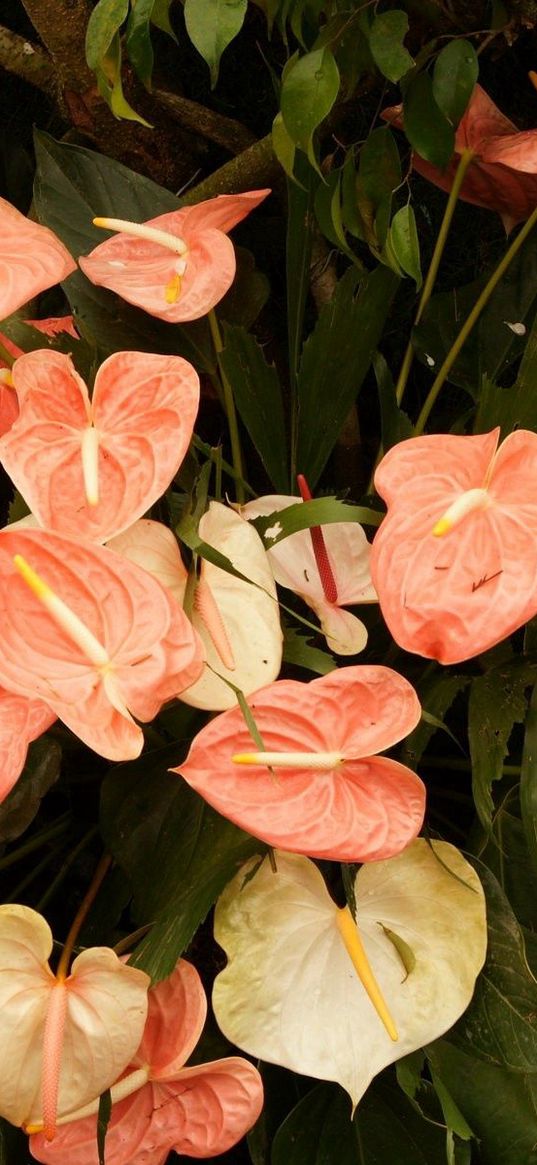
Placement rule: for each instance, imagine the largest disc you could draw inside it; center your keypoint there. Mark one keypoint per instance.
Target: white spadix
(65, 618)
(139, 230)
(290, 760)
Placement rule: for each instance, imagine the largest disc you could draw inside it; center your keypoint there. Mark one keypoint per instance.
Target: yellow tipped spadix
(140, 231)
(65, 618)
(290, 760)
(356, 952)
(466, 503)
(90, 464)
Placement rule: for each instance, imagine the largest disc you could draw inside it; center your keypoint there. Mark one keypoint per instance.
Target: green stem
(430, 280)
(236, 452)
(6, 356)
(471, 320)
(36, 842)
(210, 451)
(82, 913)
(65, 867)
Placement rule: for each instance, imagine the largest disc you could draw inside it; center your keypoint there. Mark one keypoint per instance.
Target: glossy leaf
(309, 91)
(427, 128)
(331, 355)
(455, 73)
(211, 26)
(103, 54)
(258, 397)
(404, 241)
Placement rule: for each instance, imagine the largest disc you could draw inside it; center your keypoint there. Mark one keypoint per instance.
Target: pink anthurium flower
(94, 636)
(21, 721)
(66, 1037)
(328, 568)
(455, 560)
(32, 259)
(90, 468)
(503, 174)
(318, 788)
(160, 1105)
(176, 266)
(55, 326)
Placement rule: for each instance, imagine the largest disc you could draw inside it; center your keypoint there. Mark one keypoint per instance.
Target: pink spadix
(207, 608)
(326, 573)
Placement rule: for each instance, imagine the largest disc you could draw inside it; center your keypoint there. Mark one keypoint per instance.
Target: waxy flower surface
(176, 266)
(503, 174)
(31, 259)
(160, 1105)
(90, 468)
(317, 788)
(455, 560)
(21, 721)
(308, 988)
(65, 1039)
(298, 565)
(94, 636)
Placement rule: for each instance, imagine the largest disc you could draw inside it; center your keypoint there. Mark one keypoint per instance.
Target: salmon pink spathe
(161, 1105)
(31, 259)
(317, 788)
(90, 468)
(455, 560)
(177, 266)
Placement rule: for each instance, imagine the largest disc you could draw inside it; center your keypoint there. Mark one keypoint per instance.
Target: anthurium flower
(65, 1039)
(9, 405)
(160, 1105)
(154, 547)
(90, 468)
(503, 174)
(327, 583)
(21, 721)
(293, 991)
(318, 788)
(94, 636)
(32, 259)
(176, 266)
(455, 560)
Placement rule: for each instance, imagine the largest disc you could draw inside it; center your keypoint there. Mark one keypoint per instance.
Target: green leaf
(40, 772)
(455, 73)
(103, 1120)
(300, 223)
(409, 1072)
(528, 780)
(103, 54)
(72, 186)
(385, 1129)
(273, 528)
(500, 1106)
(426, 127)
(309, 90)
(395, 424)
(452, 1114)
(404, 240)
(332, 356)
(438, 692)
(500, 1026)
(497, 702)
(178, 853)
(284, 146)
(138, 40)
(258, 397)
(386, 37)
(211, 26)
(299, 652)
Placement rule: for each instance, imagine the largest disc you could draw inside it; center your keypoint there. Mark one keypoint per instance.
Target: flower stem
(430, 279)
(81, 915)
(471, 320)
(229, 402)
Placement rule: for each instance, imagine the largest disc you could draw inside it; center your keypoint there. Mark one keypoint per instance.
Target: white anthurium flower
(311, 990)
(65, 1038)
(297, 563)
(238, 622)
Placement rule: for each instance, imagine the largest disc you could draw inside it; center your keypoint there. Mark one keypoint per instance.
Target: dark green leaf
(211, 26)
(500, 1106)
(385, 1129)
(497, 702)
(404, 241)
(103, 1120)
(528, 780)
(427, 129)
(41, 770)
(514, 407)
(258, 397)
(500, 1026)
(138, 40)
(103, 54)
(299, 652)
(452, 1114)
(386, 37)
(248, 293)
(177, 851)
(309, 90)
(455, 73)
(395, 424)
(332, 356)
(280, 524)
(300, 223)
(437, 692)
